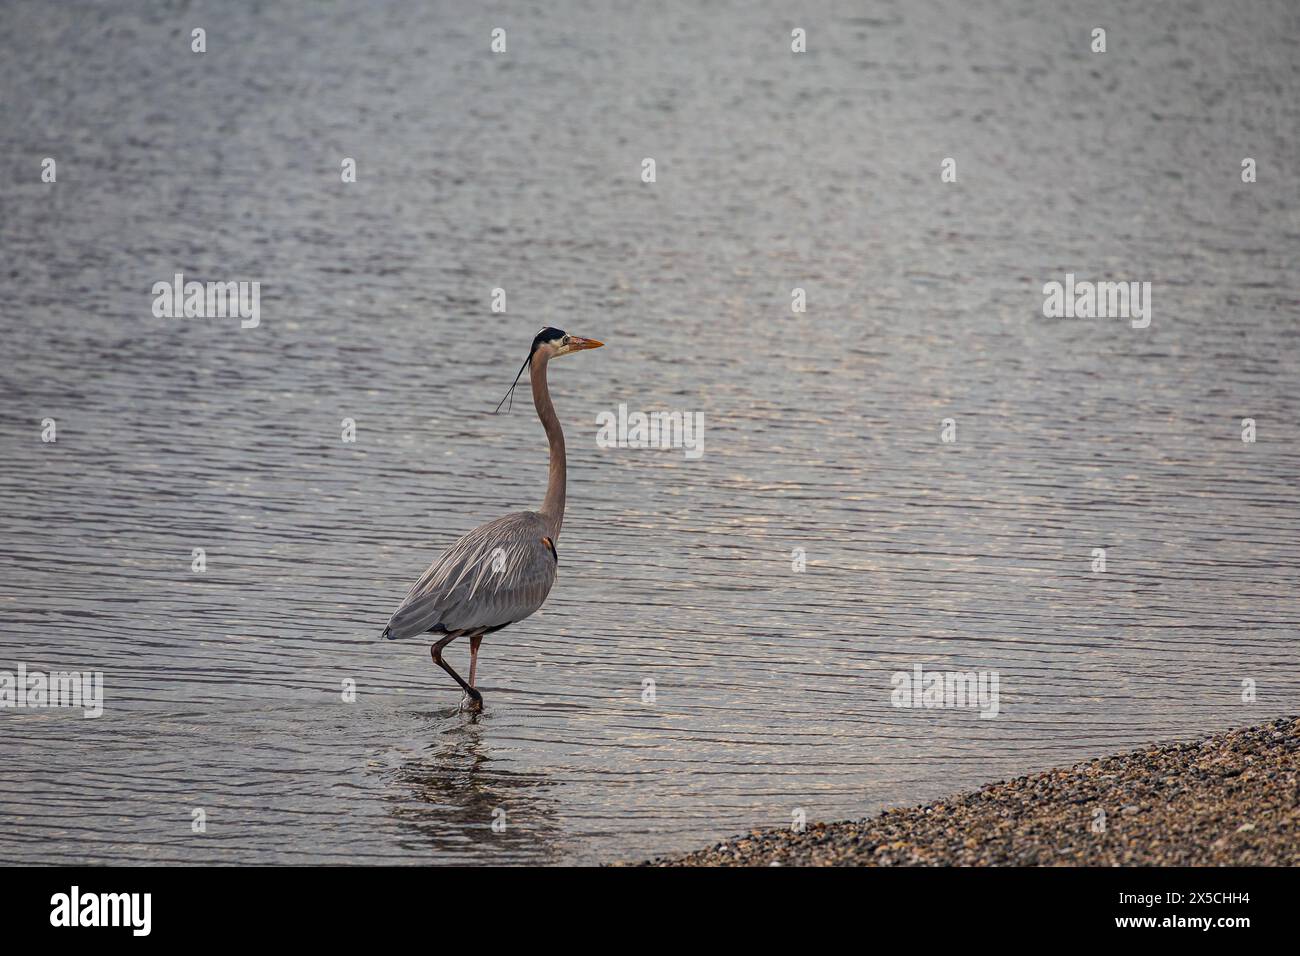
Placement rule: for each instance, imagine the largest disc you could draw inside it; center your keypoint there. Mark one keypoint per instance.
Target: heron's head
(552, 342)
(548, 344)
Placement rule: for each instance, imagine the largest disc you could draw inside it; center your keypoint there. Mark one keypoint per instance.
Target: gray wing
(497, 574)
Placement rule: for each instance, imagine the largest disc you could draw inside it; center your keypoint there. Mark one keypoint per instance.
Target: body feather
(497, 574)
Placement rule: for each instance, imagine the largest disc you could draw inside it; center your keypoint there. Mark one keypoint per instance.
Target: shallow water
(772, 688)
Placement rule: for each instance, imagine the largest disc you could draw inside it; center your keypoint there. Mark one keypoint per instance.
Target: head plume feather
(546, 335)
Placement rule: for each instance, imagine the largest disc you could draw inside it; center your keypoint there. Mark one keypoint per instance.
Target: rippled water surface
(522, 171)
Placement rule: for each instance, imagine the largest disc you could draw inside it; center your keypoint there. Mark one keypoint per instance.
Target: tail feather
(414, 617)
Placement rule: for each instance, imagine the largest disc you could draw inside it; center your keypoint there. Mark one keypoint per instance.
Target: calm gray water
(522, 171)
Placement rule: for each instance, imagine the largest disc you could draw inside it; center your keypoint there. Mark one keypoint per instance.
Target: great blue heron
(502, 571)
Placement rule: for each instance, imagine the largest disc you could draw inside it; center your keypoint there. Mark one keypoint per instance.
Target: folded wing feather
(499, 573)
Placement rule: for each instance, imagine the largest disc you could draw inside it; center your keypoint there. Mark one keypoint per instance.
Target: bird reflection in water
(466, 805)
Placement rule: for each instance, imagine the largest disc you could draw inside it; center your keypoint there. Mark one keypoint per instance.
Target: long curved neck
(553, 506)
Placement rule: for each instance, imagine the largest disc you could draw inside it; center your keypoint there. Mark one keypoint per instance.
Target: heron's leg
(474, 642)
(436, 653)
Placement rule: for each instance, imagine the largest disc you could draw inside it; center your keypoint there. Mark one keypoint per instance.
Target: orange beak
(577, 343)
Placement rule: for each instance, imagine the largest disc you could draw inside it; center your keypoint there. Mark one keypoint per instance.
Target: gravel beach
(1230, 799)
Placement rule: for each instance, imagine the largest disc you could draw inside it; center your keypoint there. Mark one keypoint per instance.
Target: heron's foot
(472, 702)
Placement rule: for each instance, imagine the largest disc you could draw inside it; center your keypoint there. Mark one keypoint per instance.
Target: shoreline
(1230, 799)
